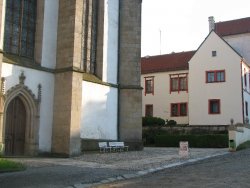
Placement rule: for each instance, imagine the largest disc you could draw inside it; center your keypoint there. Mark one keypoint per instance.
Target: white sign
(184, 150)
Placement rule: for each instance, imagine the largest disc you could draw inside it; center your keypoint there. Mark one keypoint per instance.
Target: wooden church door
(15, 128)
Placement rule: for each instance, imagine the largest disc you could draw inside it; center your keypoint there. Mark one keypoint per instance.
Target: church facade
(70, 75)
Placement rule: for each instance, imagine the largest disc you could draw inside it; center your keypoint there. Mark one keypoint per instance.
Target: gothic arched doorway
(15, 128)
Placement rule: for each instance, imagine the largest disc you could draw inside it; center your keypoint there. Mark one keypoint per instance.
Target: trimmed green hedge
(196, 141)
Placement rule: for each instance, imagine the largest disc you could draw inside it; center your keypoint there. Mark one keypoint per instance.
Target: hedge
(195, 141)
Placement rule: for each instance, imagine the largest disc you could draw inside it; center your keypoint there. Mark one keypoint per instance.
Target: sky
(182, 25)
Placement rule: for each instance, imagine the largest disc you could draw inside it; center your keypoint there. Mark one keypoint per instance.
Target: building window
(90, 37)
(246, 106)
(174, 84)
(183, 83)
(183, 109)
(214, 53)
(178, 82)
(174, 109)
(245, 78)
(178, 109)
(149, 110)
(214, 106)
(20, 22)
(149, 85)
(215, 76)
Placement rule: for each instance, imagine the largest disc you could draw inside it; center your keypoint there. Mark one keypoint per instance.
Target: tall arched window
(89, 39)
(20, 22)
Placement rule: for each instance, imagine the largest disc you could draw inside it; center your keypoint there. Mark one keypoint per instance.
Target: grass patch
(9, 166)
(244, 145)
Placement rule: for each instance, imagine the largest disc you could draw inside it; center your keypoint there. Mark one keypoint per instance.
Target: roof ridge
(172, 53)
(233, 20)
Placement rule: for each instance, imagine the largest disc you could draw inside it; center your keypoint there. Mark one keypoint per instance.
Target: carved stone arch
(32, 107)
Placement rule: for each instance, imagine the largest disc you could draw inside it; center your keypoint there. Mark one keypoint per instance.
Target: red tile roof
(167, 62)
(233, 27)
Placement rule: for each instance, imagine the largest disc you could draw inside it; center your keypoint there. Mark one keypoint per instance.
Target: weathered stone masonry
(129, 73)
(68, 81)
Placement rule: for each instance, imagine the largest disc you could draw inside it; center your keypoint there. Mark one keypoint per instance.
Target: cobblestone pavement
(91, 169)
(225, 171)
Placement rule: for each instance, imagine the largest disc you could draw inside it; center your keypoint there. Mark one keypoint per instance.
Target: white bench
(103, 146)
(118, 146)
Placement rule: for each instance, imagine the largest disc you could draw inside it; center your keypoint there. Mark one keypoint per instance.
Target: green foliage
(152, 121)
(196, 141)
(244, 145)
(7, 166)
(171, 122)
(150, 134)
(1, 150)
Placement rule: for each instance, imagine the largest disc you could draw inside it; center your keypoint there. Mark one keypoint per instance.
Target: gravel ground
(95, 167)
(150, 157)
(227, 171)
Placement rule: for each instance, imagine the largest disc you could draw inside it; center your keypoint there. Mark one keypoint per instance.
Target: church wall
(33, 78)
(50, 33)
(68, 80)
(110, 48)
(99, 112)
(130, 94)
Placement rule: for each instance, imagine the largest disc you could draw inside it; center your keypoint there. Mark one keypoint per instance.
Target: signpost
(184, 149)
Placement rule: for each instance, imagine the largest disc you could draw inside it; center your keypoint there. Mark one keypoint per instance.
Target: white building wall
(110, 43)
(241, 44)
(229, 92)
(240, 135)
(99, 111)
(33, 78)
(162, 98)
(50, 33)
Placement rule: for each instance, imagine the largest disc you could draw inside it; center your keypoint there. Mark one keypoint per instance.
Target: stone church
(70, 75)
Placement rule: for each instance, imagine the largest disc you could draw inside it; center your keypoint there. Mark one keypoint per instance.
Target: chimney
(211, 23)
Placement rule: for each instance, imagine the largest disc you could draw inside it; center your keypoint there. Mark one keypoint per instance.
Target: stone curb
(143, 172)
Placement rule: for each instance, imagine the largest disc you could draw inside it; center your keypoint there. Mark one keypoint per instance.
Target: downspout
(242, 95)
(118, 73)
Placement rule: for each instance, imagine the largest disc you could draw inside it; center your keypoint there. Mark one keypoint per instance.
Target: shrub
(152, 121)
(150, 134)
(171, 122)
